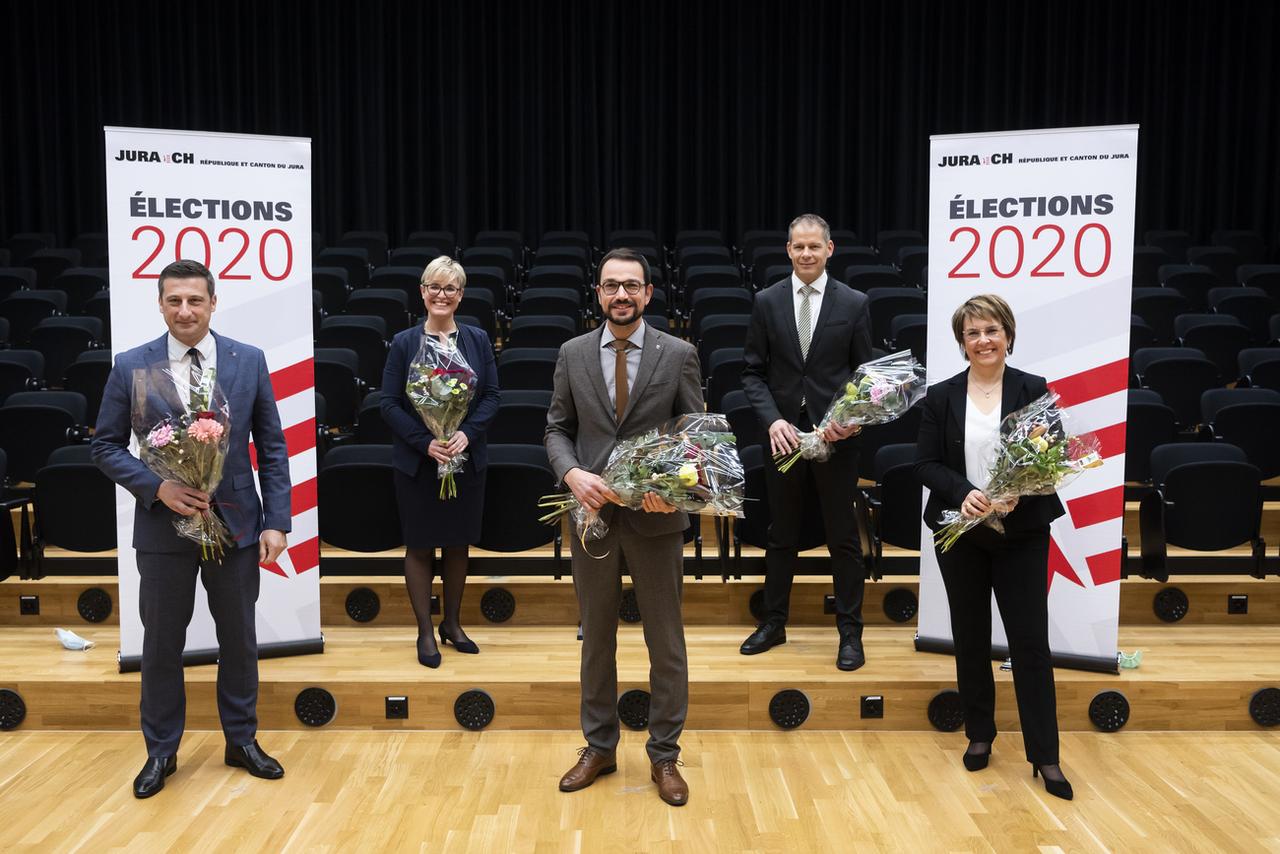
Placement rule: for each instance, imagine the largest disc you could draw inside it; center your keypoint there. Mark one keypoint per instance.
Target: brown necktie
(620, 347)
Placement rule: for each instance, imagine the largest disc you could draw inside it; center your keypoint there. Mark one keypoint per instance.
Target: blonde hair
(446, 266)
(984, 306)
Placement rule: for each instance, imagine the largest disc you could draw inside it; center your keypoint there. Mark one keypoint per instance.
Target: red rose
(206, 414)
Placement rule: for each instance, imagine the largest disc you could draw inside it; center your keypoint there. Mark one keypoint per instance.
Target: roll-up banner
(241, 205)
(1045, 219)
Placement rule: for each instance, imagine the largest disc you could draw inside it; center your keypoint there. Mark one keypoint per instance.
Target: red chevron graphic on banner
(294, 379)
(305, 555)
(1093, 383)
(1059, 565)
(1101, 506)
(1104, 567)
(299, 438)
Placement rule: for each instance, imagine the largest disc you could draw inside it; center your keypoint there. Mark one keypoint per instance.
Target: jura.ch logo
(138, 155)
(977, 159)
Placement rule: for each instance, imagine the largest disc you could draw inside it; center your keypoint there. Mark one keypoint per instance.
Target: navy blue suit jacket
(410, 437)
(244, 379)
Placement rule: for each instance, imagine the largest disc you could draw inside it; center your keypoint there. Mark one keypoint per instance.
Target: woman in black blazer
(428, 522)
(958, 430)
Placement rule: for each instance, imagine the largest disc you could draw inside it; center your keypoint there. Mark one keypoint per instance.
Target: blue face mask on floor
(72, 641)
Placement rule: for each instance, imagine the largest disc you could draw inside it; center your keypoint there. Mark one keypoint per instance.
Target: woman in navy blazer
(429, 522)
(959, 427)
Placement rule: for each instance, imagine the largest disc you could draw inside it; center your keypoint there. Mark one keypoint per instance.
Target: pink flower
(160, 436)
(878, 392)
(205, 430)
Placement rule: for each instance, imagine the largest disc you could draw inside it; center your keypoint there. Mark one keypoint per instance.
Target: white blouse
(980, 434)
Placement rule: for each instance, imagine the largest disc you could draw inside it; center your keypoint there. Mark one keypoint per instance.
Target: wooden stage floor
(750, 792)
(1190, 770)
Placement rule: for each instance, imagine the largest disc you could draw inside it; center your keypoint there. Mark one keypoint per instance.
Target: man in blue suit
(167, 563)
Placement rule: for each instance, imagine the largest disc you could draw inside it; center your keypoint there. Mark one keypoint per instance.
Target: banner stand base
(192, 657)
(1068, 661)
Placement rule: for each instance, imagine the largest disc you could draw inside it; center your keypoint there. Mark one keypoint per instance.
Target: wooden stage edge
(71, 601)
(1193, 678)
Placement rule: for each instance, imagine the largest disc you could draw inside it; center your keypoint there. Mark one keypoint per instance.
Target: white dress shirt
(815, 300)
(608, 359)
(981, 431)
(180, 362)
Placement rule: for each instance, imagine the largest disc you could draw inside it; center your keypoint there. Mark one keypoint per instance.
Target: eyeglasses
(631, 286)
(977, 334)
(448, 290)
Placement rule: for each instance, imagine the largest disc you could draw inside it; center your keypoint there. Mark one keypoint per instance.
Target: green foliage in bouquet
(691, 462)
(1035, 456)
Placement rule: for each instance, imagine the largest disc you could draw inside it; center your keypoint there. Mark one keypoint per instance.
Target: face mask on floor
(72, 641)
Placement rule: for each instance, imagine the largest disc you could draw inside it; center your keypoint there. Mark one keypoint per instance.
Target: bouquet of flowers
(691, 462)
(1035, 455)
(183, 429)
(878, 392)
(440, 386)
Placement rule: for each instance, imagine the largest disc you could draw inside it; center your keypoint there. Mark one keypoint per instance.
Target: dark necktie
(196, 401)
(620, 347)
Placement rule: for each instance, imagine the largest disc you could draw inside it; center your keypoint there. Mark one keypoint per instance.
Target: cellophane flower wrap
(691, 462)
(879, 391)
(1037, 454)
(440, 386)
(183, 430)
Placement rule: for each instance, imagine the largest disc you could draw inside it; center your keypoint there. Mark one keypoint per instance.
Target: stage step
(707, 602)
(1191, 678)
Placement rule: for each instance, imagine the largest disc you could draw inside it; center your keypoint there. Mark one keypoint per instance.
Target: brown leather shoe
(591, 764)
(671, 786)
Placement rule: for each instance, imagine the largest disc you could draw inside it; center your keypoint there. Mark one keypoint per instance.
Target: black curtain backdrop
(601, 115)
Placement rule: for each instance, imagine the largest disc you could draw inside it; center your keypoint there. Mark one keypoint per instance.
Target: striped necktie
(806, 319)
(197, 401)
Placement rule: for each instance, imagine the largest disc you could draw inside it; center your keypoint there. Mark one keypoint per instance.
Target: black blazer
(775, 378)
(940, 451)
(409, 436)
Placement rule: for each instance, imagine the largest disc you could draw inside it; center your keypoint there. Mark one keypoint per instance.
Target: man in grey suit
(614, 383)
(167, 563)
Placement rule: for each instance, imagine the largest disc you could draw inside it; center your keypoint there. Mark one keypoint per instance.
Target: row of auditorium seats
(1206, 497)
(1224, 250)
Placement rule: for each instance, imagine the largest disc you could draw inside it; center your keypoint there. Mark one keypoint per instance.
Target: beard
(623, 315)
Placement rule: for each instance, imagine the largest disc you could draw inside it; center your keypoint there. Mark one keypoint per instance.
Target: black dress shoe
(432, 660)
(467, 646)
(766, 637)
(850, 656)
(1058, 788)
(151, 778)
(252, 758)
(976, 761)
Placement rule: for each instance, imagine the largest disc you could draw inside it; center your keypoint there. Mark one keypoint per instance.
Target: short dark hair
(185, 269)
(624, 254)
(810, 219)
(984, 307)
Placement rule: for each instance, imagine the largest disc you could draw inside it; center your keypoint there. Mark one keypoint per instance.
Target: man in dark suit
(167, 563)
(614, 383)
(808, 334)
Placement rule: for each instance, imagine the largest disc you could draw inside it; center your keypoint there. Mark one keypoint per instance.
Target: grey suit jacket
(582, 427)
